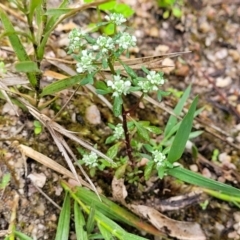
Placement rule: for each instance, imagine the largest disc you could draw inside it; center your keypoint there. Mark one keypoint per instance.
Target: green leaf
(177, 12)
(27, 66)
(182, 134)
(143, 133)
(17, 45)
(113, 150)
(154, 129)
(124, 9)
(148, 170)
(117, 106)
(57, 11)
(61, 85)
(101, 88)
(177, 110)
(64, 220)
(107, 6)
(105, 233)
(129, 70)
(33, 5)
(188, 176)
(110, 139)
(79, 223)
(22, 236)
(88, 79)
(90, 221)
(109, 29)
(166, 14)
(5, 180)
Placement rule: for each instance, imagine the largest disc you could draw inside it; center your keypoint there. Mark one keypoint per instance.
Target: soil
(209, 35)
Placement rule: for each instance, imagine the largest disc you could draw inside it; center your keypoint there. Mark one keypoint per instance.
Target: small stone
(9, 109)
(234, 54)
(221, 54)
(154, 32)
(93, 115)
(206, 173)
(39, 179)
(223, 82)
(182, 71)
(223, 157)
(170, 65)
(205, 27)
(194, 168)
(162, 48)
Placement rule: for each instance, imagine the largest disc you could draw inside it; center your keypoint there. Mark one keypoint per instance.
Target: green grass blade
(80, 223)
(17, 45)
(177, 110)
(61, 85)
(182, 134)
(26, 66)
(188, 176)
(105, 233)
(90, 220)
(22, 236)
(64, 220)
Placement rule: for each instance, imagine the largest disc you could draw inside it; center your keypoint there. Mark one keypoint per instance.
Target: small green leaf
(124, 9)
(177, 110)
(177, 12)
(109, 29)
(182, 134)
(154, 129)
(148, 170)
(22, 236)
(88, 79)
(58, 11)
(105, 233)
(188, 176)
(129, 70)
(64, 220)
(107, 6)
(90, 221)
(79, 223)
(5, 180)
(117, 106)
(113, 150)
(166, 14)
(61, 85)
(120, 172)
(110, 139)
(143, 133)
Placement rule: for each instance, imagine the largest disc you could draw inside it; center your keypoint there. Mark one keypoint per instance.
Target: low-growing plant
(173, 7)
(132, 145)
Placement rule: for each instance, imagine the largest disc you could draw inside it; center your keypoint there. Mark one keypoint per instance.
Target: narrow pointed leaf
(64, 220)
(182, 134)
(177, 110)
(188, 176)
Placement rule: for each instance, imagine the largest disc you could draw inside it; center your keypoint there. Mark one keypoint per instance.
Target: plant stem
(126, 133)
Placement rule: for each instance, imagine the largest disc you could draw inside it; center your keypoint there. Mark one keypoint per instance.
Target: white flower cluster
(152, 81)
(158, 158)
(85, 62)
(118, 131)
(119, 85)
(76, 39)
(104, 44)
(116, 18)
(90, 159)
(126, 41)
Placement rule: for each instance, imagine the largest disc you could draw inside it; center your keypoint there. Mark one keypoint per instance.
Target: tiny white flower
(116, 18)
(90, 159)
(104, 44)
(126, 41)
(118, 131)
(76, 37)
(152, 82)
(158, 158)
(86, 62)
(119, 85)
